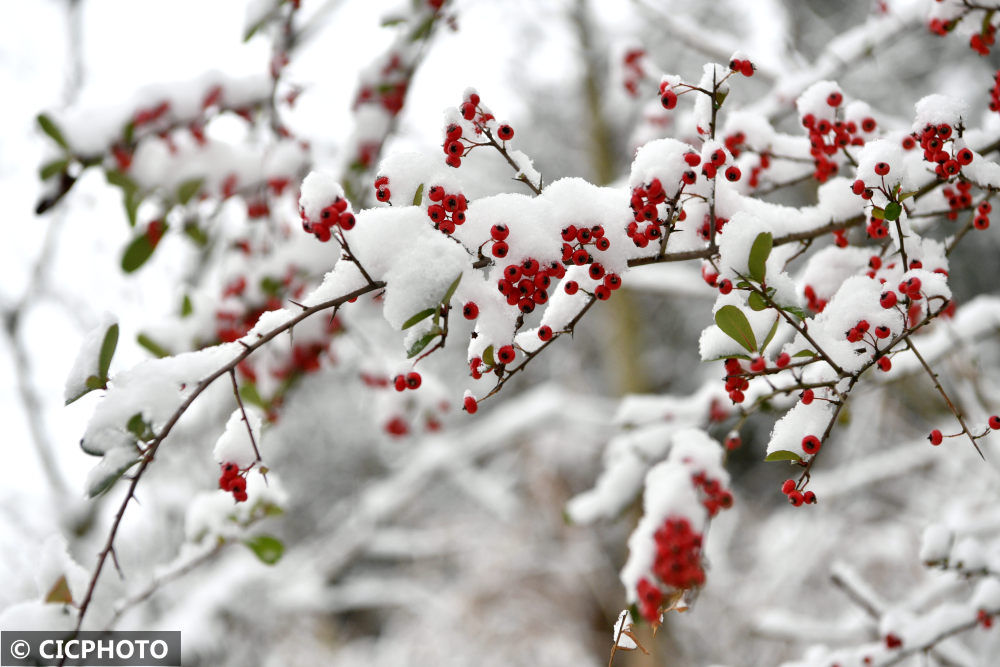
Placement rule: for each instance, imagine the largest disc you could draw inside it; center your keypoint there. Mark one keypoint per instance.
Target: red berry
(668, 99)
(505, 132)
(783, 360)
(882, 168)
(758, 364)
(935, 437)
(810, 444)
(795, 498)
(807, 396)
(413, 380)
(994, 422)
(858, 187)
(788, 486)
(888, 299)
(500, 232)
(835, 98)
(883, 331)
(505, 354)
(470, 405)
(733, 441)
(602, 292)
(809, 498)
(545, 332)
(500, 249)
(470, 310)
(725, 286)
(596, 271)
(884, 364)
(571, 287)
(400, 382)
(733, 174)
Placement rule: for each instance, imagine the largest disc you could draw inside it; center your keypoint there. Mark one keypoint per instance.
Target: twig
(151, 449)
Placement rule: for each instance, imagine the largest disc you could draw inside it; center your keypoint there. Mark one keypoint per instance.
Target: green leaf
(59, 593)
(132, 200)
(50, 128)
(152, 346)
(451, 290)
(136, 253)
(734, 324)
(419, 317)
(136, 425)
(892, 210)
(196, 233)
(783, 455)
(271, 286)
(743, 284)
(267, 548)
(186, 306)
(756, 302)
(759, 252)
(93, 382)
(422, 342)
(118, 179)
(906, 195)
(770, 334)
(104, 484)
(423, 30)
(878, 213)
(188, 189)
(108, 346)
(418, 196)
(128, 133)
(50, 169)
(249, 393)
(488, 358)
(796, 311)
(804, 353)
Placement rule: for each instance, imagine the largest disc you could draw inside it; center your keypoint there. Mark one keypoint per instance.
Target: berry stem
(944, 395)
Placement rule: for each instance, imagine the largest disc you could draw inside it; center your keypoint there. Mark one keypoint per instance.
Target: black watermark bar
(93, 649)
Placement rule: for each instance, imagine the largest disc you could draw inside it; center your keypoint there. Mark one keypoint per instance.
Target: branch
(151, 449)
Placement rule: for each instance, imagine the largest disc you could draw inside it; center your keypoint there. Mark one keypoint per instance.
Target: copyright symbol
(20, 649)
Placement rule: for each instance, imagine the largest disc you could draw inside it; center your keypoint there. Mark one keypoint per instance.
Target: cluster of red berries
(734, 143)
(575, 242)
(705, 232)
(958, 198)
(813, 301)
(454, 145)
(861, 332)
(334, 215)
(234, 481)
(448, 210)
(940, 27)
(982, 219)
(984, 619)
(736, 380)
(410, 380)
(677, 564)
(948, 163)
(995, 93)
(744, 67)
(714, 496)
(981, 42)
(526, 284)
(389, 89)
(716, 160)
(796, 497)
(826, 137)
(644, 203)
(634, 73)
(602, 292)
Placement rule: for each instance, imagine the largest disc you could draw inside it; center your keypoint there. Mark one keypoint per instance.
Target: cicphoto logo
(90, 648)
